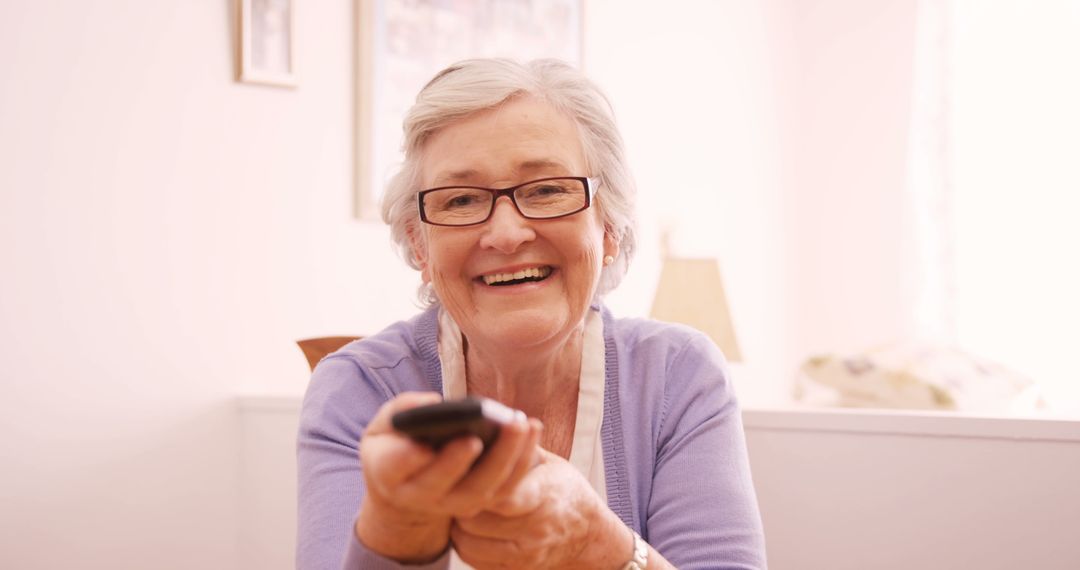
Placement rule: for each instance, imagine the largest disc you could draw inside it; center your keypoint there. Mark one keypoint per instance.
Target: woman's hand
(552, 519)
(413, 492)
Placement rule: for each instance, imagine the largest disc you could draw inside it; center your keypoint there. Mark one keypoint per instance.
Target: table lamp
(690, 292)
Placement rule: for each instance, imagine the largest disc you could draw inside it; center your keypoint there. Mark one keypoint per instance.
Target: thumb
(403, 401)
(528, 495)
(545, 457)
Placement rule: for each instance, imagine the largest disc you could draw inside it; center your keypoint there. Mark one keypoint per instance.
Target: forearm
(702, 512)
(405, 537)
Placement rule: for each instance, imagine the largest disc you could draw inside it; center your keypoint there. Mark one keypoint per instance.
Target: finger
(498, 463)
(484, 552)
(546, 456)
(403, 401)
(526, 496)
(489, 524)
(451, 463)
(389, 459)
(526, 461)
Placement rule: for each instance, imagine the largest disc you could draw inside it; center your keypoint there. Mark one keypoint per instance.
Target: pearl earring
(608, 260)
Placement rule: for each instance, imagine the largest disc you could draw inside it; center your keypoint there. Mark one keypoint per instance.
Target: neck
(534, 380)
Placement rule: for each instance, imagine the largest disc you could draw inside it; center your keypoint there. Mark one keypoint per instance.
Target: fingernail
(520, 417)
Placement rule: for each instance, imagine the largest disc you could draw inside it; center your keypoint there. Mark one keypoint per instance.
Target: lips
(522, 275)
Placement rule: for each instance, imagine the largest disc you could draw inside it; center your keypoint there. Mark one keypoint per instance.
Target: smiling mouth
(520, 276)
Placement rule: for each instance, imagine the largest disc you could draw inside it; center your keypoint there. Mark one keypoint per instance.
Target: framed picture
(266, 46)
(401, 44)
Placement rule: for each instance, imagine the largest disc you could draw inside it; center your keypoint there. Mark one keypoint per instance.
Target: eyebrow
(527, 166)
(539, 164)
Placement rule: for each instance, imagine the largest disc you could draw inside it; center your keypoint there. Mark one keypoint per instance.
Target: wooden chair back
(315, 349)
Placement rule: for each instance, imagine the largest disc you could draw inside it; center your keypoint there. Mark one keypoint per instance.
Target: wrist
(402, 536)
(610, 542)
(639, 556)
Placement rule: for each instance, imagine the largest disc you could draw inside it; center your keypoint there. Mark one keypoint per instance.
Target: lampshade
(690, 292)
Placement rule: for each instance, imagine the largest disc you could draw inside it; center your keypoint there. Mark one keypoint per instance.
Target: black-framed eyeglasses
(541, 199)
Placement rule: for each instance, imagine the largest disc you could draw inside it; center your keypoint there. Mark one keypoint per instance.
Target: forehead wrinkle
(457, 175)
(524, 168)
(530, 159)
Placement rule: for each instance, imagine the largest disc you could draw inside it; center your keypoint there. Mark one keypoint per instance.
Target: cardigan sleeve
(702, 512)
(340, 401)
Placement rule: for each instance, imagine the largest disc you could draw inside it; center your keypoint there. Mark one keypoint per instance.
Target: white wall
(848, 84)
(772, 135)
(165, 235)
(695, 93)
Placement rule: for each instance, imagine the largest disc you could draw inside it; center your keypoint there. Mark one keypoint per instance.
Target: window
(1012, 187)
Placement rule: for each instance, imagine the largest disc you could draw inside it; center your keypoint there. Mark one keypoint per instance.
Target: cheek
(594, 248)
(589, 264)
(593, 256)
(446, 258)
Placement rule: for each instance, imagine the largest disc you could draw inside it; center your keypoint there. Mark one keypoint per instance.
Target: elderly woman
(515, 204)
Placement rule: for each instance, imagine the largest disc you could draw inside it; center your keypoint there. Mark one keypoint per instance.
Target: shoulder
(412, 339)
(366, 372)
(673, 343)
(666, 369)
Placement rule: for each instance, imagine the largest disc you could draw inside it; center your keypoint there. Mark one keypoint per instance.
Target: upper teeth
(519, 274)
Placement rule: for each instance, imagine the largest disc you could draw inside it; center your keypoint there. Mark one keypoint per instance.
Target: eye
(545, 190)
(461, 200)
(458, 199)
(549, 189)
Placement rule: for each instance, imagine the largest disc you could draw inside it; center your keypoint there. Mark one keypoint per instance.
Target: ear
(611, 244)
(418, 247)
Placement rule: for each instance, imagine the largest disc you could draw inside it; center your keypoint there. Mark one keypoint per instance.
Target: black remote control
(436, 424)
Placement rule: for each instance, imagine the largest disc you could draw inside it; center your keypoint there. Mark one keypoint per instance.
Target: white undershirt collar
(586, 452)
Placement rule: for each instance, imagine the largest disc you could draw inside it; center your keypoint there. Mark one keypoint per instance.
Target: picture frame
(266, 54)
(401, 44)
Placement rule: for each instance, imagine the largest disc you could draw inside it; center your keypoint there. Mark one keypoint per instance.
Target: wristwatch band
(640, 557)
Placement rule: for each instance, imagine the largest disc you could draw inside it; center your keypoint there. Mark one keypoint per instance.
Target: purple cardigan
(674, 453)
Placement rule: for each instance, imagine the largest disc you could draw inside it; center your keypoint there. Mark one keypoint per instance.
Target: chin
(527, 326)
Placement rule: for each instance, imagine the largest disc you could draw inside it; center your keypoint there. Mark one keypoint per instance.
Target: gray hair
(475, 85)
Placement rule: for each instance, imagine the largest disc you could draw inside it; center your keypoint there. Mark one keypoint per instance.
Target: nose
(506, 229)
